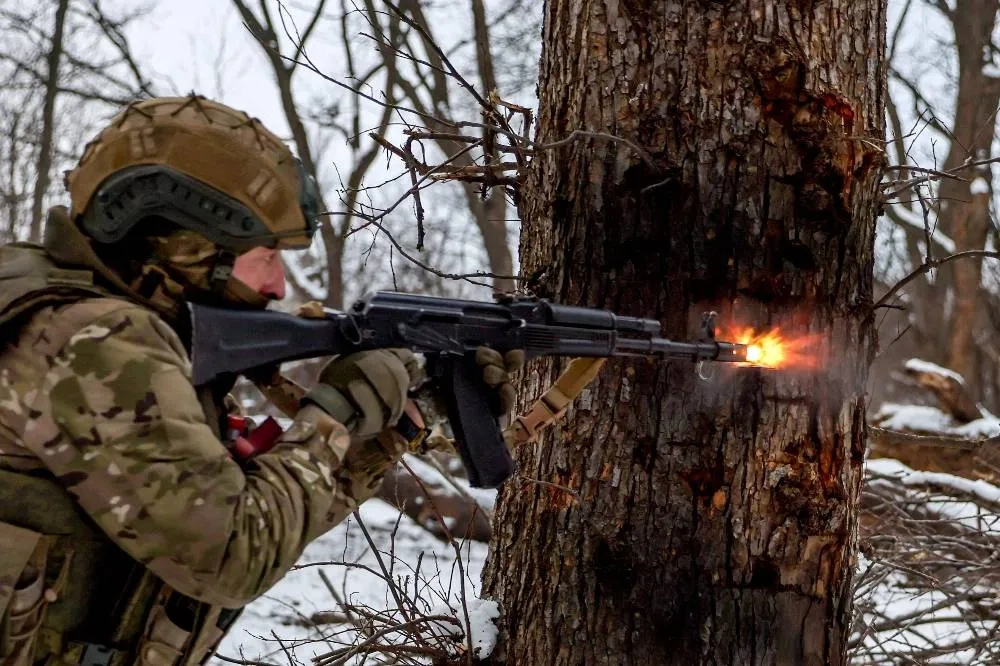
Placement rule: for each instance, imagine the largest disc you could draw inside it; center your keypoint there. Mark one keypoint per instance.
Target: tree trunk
(333, 240)
(712, 522)
(44, 164)
(965, 215)
(490, 214)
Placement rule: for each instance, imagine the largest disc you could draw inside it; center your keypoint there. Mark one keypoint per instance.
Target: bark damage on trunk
(714, 522)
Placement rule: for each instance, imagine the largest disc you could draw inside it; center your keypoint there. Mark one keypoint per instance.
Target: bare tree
(708, 523)
(409, 83)
(48, 119)
(66, 65)
(928, 574)
(942, 128)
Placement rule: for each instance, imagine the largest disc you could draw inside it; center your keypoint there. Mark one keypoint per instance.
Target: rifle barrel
(731, 352)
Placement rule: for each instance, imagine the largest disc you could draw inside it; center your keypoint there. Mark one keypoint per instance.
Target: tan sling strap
(554, 402)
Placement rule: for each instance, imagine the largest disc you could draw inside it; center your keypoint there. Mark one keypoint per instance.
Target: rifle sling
(554, 402)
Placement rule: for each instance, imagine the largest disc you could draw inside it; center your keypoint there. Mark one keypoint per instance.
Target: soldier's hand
(367, 391)
(496, 372)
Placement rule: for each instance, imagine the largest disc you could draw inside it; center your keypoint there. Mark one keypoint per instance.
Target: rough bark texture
(714, 522)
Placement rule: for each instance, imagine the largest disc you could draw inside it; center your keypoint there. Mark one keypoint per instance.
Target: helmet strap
(222, 271)
(231, 290)
(149, 282)
(158, 289)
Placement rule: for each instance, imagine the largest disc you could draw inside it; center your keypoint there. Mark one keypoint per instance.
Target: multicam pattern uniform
(113, 415)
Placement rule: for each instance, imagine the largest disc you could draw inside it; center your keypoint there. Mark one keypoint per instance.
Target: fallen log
(429, 500)
(947, 386)
(973, 459)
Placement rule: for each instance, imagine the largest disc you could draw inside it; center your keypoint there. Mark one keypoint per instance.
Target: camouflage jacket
(95, 392)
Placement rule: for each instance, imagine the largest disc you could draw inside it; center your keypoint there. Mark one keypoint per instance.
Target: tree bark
(712, 522)
(42, 177)
(965, 216)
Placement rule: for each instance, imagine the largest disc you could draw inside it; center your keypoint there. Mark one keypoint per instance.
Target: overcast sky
(202, 45)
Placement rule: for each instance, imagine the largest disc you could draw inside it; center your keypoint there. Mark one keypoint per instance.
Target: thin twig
(930, 265)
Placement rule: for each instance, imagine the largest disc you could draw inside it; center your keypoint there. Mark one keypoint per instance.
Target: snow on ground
(485, 497)
(901, 618)
(931, 420)
(909, 477)
(925, 598)
(919, 622)
(344, 556)
(979, 186)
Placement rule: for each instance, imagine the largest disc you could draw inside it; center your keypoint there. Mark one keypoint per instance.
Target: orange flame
(772, 349)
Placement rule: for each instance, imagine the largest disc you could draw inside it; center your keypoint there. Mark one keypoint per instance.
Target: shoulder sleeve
(119, 424)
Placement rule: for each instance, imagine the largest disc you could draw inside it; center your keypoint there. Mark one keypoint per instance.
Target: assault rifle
(447, 331)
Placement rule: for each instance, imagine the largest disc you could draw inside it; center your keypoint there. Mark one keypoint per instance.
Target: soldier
(128, 533)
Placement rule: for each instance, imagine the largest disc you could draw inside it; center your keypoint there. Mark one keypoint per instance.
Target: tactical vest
(68, 594)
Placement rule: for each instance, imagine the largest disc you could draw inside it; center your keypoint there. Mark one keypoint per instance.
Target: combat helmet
(202, 166)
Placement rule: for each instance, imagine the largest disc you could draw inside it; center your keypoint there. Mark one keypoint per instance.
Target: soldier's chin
(238, 294)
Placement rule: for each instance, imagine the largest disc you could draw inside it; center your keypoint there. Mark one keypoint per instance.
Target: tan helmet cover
(210, 142)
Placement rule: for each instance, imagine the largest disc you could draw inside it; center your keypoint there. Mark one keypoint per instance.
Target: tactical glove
(496, 372)
(366, 391)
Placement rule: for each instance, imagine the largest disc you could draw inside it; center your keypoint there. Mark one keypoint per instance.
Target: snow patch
(910, 477)
(483, 630)
(346, 559)
(979, 186)
(919, 365)
(931, 420)
(486, 498)
(913, 418)
(482, 627)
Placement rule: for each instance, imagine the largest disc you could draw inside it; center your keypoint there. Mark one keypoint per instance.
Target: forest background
(379, 100)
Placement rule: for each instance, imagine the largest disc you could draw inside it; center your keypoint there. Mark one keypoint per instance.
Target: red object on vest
(246, 440)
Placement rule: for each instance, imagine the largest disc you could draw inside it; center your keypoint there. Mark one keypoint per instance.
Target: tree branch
(929, 265)
(44, 164)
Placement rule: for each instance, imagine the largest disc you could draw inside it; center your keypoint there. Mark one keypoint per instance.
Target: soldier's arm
(125, 432)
